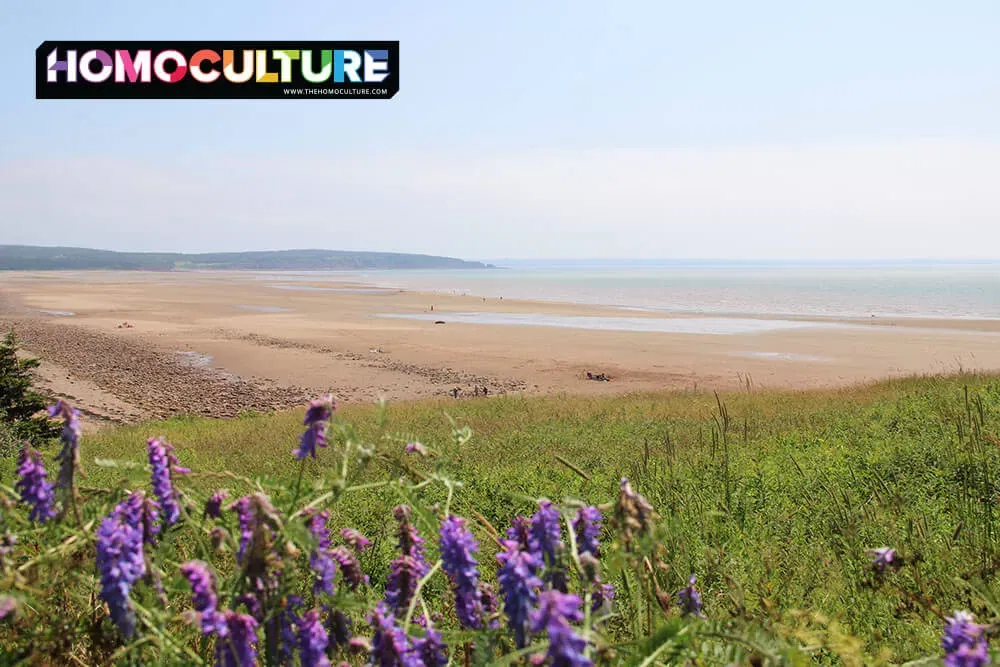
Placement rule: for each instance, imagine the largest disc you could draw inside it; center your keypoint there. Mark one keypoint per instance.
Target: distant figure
(486, 392)
(590, 376)
(475, 391)
(454, 392)
(432, 309)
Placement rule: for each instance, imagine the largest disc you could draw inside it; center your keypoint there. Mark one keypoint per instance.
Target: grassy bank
(771, 498)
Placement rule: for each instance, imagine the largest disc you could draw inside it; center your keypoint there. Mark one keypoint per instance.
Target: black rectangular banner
(216, 70)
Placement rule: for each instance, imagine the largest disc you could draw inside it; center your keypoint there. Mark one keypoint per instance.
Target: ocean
(928, 290)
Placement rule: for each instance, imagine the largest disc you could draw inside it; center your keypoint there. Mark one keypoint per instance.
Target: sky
(660, 129)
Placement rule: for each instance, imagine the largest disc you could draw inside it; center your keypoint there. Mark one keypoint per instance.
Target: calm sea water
(929, 290)
(938, 290)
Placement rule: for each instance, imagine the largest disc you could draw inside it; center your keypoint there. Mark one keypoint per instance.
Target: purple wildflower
(520, 531)
(963, 642)
(203, 596)
(237, 648)
(325, 567)
(312, 640)
(259, 521)
(587, 526)
(320, 560)
(545, 538)
(390, 646)
(410, 543)
(690, 599)
(150, 520)
(245, 516)
(882, 558)
(458, 547)
(554, 614)
(601, 594)
(284, 625)
(161, 460)
(355, 539)
(120, 563)
(430, 649)
(8, 605)
(416, 448)
(33, 485)
(317, 416)
(141, 513)
(409, 567)
(338, 629)
(129, 510)
(404, 574)
(213, 506)
(489, 596)
(519, 586)
(602, 597)
(69, 454)
(350, 566)
(317, 524)
(251, 603)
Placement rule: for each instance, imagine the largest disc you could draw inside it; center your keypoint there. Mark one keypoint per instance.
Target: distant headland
(45, 258)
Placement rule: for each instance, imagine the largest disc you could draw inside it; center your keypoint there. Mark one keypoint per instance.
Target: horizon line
(704, 259)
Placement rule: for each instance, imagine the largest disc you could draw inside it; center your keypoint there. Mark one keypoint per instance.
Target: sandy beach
(132, 345)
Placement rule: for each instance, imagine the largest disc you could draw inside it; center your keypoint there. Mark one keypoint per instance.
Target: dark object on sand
(599, 377)
(438, 321)
(454, 392)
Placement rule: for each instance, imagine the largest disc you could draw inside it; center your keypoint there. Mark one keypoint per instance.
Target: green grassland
(770, 497)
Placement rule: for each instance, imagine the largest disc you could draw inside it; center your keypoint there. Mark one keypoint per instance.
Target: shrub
(20, 403)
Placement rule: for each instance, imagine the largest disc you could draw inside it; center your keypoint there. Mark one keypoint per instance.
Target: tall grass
(771, 498)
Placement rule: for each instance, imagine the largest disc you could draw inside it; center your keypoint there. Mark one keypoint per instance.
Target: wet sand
(215, 343)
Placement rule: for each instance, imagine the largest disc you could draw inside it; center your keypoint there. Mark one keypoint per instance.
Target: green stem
(416, 594)
(298, 486)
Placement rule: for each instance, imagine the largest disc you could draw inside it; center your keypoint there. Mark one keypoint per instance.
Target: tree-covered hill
(43, 258)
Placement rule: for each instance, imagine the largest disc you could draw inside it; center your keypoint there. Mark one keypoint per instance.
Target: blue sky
(557, 129)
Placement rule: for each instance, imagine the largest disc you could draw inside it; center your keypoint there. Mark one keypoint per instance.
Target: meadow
(772, 499)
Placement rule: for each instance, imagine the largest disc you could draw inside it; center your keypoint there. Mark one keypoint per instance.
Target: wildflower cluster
(120, 560)
(276, 581)
(34, 487)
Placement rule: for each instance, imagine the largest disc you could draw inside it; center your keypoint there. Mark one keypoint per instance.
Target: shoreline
(215, 343)
(352, 284)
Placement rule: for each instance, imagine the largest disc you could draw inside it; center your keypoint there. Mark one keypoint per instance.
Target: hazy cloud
(903, 199)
